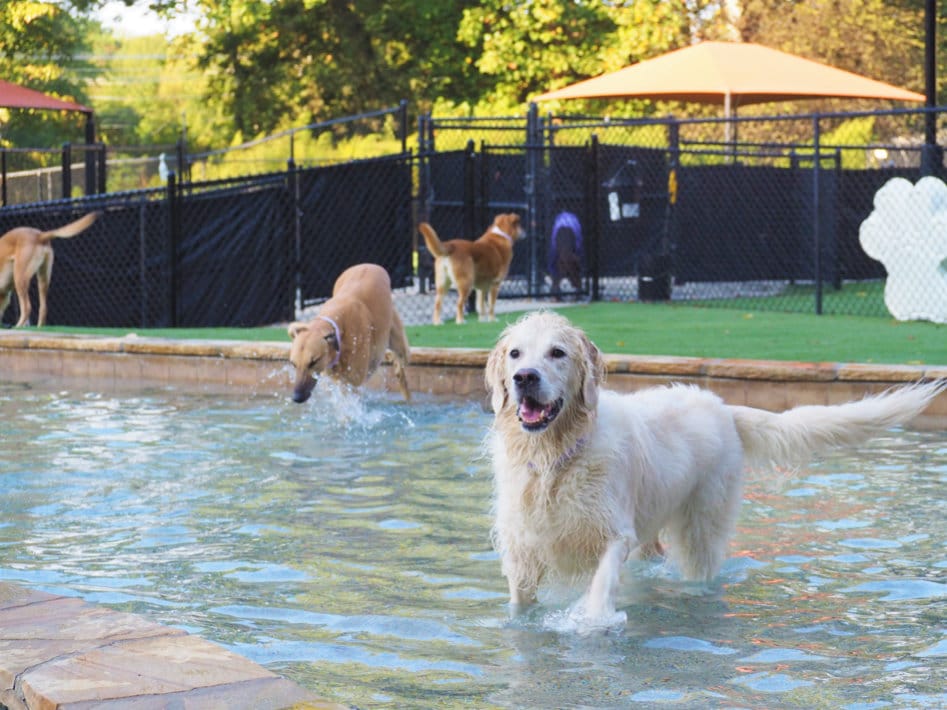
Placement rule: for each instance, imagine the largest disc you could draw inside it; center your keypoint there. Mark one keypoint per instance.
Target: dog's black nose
(526, 378)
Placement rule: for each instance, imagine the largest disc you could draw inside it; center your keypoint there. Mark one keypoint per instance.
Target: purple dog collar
(338, 340)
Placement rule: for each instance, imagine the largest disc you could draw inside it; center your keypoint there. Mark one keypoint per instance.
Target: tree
(522, 46)
(877, 38)
(37, 43)
(273, 62)
(147, 91)
(529, 48)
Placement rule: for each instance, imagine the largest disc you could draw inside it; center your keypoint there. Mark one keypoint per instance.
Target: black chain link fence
(751, 213)
(242, 252)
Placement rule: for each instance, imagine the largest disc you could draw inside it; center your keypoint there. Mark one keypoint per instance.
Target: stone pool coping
(61, 652)
(219, 366)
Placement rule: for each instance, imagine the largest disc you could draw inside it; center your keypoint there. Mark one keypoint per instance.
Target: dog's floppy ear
(296, 328)
(494, 378)
(592, 373)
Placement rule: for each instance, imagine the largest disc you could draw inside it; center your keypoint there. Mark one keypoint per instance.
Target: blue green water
(344, 544)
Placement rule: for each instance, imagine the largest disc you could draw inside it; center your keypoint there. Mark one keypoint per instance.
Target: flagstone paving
(61, 652)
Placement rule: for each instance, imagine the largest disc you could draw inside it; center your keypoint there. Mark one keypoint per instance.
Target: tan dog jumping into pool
(26, 252)
(347, 340)
(481, 265)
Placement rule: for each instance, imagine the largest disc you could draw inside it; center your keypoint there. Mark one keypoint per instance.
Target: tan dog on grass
(26, 252)
(480, 264)
(347, 340)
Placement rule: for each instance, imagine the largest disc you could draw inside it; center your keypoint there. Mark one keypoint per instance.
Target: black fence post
(183, 171)
(483, 193)
(534, 147)
(90, 158)
(66, 171)
(102, 166)
(403, 115)
(816, 205)
(593, 233)
(143, 261)
(470, 190)
(932, 155)
(3, 175)
(425, 149)
(669, 235)
(174, 227)
(294, 248)
(423, 200)
(471, 201)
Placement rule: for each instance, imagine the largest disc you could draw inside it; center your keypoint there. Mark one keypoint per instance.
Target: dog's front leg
(521, 597)
(522, 586)
(600, 599)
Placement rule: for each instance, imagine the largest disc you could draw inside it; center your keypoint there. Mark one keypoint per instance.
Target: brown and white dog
(26, 252)
(468, 265)
(348, 338)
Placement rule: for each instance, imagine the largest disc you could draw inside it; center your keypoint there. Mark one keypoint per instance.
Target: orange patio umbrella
(732, 73)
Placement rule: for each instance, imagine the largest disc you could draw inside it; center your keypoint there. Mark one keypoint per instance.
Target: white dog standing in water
(585, 478)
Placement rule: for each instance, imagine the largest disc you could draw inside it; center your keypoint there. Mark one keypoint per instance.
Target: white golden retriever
(585, 478)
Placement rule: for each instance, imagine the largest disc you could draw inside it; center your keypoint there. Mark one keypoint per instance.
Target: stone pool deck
(61, 652)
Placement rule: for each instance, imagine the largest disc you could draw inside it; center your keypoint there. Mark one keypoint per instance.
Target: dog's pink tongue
(531, 413)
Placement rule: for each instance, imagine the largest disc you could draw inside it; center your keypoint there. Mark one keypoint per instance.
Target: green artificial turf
(663, 329)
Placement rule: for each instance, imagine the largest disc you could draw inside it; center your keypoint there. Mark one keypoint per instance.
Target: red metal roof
(16, 96)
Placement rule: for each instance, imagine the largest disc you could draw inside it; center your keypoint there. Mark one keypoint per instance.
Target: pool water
(343, 543)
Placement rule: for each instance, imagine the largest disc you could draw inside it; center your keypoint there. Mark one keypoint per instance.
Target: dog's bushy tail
(434, 244)
(71, 229)
(793, 436)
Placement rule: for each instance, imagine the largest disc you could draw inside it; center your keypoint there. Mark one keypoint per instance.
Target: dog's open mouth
(536, 416)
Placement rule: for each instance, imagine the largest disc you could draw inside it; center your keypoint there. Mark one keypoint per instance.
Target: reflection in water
(344, 544)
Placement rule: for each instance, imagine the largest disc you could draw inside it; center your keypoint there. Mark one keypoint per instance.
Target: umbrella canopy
(16, 96)
(731, 73)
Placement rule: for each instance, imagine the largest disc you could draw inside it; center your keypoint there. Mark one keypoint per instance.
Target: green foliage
(148, 91)
(522, 45)
(881, 39)
(37, 40)
(327, 58)
(257, 67)
(306, 148)
(856, 135)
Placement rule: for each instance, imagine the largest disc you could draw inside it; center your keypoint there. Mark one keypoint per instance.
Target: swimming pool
(344, 544)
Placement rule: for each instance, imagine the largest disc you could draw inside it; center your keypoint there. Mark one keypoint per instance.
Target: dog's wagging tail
(586, 478)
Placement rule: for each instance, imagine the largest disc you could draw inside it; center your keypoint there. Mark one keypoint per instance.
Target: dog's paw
(581, 619)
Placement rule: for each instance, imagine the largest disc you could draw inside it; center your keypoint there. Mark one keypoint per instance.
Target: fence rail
(667, 211)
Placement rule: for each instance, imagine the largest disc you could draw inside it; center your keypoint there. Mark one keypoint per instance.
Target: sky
(139, 20)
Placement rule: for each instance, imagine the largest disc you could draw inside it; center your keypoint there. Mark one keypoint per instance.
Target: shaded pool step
(62, 652)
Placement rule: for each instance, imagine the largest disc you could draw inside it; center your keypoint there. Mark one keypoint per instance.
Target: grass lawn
(662, 329)
(862, 297)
